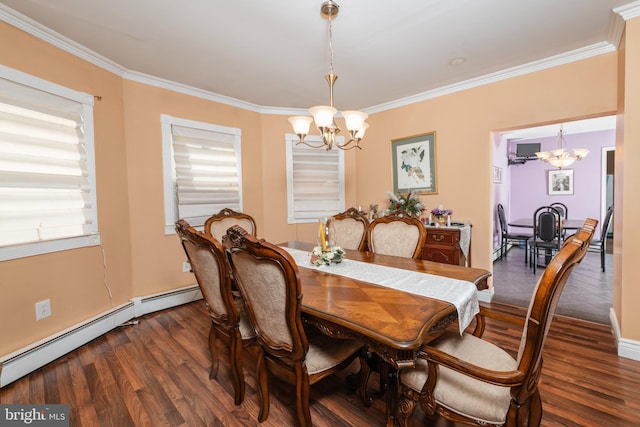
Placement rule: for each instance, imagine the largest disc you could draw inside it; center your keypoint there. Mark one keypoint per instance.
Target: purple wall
(528, 183)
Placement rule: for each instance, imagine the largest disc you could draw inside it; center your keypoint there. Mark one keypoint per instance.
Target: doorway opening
(524, 187)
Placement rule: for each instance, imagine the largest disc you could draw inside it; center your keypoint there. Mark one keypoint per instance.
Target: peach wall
(142, 260)
(74, 279)
(157, 258)
(628, 188)
(463, 123)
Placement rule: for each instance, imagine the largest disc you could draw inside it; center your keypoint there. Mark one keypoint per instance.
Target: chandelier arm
(347, 145)
(323, 145)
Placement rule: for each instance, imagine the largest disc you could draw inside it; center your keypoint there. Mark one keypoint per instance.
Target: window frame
(92, 238)
(291, 140)
(169, 166)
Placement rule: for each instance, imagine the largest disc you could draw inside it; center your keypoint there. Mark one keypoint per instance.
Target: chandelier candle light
(324, 115)
(560, 157)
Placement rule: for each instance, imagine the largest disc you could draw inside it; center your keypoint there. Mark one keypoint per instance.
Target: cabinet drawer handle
(437, 238)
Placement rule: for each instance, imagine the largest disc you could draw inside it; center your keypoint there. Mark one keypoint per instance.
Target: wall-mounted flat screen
(527, 150)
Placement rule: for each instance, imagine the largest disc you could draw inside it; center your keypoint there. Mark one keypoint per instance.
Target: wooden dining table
(393, 323)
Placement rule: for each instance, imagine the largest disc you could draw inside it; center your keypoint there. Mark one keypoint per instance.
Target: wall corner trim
(626, 347)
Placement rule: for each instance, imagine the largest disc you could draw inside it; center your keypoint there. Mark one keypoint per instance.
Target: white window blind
(47, 172)
(315, 180)
(202, 170)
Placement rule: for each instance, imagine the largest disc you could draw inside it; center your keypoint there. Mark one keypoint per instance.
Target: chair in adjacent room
(269, 282)
(218, 224)
(547, 234)
(562, 209)
(229, 320)
(349, 229)
(397, 234)
(506, 236)
(468, 380)
(600, 245)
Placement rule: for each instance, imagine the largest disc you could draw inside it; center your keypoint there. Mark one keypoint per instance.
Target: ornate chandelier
(324, 115)
(560, 157)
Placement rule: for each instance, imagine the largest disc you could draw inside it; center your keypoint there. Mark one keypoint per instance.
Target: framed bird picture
(414, 164)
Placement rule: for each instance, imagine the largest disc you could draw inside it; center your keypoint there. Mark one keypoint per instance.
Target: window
(202, 170)
(47, 167)
(315, 180)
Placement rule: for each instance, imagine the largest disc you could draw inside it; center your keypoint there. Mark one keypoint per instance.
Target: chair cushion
(246, 329)
(463, 394)
(326, 352)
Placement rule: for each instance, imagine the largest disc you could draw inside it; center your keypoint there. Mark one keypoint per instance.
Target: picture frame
(497, 175)
(414, 164)
(560, 182)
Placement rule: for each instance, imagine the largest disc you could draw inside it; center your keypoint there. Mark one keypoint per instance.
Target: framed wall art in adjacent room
(560, 182)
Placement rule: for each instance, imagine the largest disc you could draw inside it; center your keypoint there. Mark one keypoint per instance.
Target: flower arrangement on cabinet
(441, 214)
(409, 203)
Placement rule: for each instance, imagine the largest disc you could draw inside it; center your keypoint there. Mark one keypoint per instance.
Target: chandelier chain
(330, 46)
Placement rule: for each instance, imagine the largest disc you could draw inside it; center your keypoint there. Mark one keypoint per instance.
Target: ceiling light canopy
(324, 115)
(560, 157)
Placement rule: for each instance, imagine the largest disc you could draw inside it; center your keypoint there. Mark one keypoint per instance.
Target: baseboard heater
(26, 360)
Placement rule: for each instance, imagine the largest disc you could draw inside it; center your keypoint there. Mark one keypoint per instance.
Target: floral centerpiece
(409, 203)
(333, 254)
(440, 213)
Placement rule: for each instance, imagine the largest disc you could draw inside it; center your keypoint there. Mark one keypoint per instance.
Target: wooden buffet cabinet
(444, 245)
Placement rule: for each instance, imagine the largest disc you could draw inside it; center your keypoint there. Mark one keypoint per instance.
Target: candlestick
(323, 240)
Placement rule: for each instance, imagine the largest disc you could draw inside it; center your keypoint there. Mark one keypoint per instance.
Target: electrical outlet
(186, 267)
(43, 309)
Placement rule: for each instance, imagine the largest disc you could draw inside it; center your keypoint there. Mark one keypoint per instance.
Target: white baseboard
(27, 359)
(626, 347)
(486, 295)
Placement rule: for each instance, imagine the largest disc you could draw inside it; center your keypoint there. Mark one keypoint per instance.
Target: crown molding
(553, 61)
(47, 35)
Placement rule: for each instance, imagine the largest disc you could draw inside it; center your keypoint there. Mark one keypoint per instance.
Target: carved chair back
(397, 234)
(218, 224)
(349, 229)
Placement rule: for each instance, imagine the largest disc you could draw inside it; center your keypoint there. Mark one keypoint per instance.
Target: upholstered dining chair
(547, 233)
(218, 224)
(466, 379)
(600, 245)
(229, 321)
(397, 234)
(506, 236)
(349, 229)
(267, 277)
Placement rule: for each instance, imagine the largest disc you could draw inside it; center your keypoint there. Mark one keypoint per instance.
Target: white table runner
(460, 293)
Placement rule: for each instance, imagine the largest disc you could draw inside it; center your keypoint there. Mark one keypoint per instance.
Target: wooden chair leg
(263, 387)
(213, 349)
(235, 360)
(302, 397)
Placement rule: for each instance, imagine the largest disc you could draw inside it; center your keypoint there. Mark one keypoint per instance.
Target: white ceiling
(275, 54)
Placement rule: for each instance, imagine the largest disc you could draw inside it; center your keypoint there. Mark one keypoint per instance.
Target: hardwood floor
(156, 373)
(588, 294)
